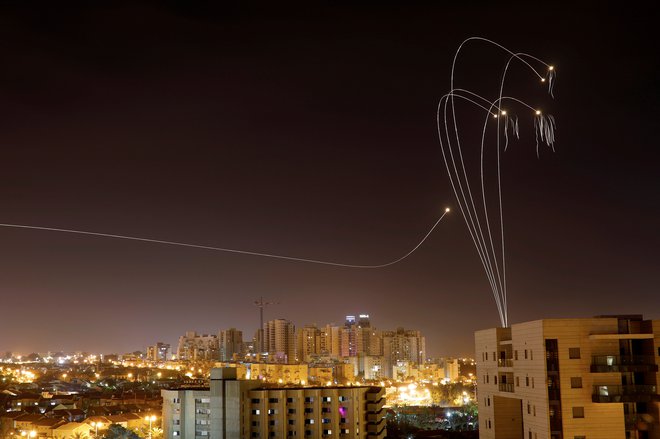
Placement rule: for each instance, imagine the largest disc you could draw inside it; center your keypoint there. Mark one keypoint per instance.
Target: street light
(96, 426)
(151, 419)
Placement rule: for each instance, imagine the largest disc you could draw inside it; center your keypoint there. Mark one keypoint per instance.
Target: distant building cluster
(373, 353)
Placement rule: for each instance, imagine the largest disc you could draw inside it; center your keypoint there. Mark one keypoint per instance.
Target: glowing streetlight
(150, 419)
(96, 426)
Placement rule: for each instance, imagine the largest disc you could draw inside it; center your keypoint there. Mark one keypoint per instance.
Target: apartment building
(232, 408)
(570, 379)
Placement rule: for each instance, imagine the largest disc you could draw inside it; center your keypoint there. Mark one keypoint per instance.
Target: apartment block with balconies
(570, 379)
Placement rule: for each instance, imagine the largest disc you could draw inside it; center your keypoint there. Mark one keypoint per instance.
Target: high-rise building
(232, 408)
(280, 341)
(158, 352)
(358, 337)
(570, 378)
(402, 345)
(194, 347)
(330, 341)
(308, 341)
(231, 343)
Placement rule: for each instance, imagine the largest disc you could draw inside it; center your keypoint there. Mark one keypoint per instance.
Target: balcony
(506, 387)
(617, 393)
(626, 363)
(505, 362)
(638, 421)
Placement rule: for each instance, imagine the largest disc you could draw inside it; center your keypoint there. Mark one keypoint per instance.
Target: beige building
(233, 408)
(280, 341)
(195, 347)
(570, 379)
(402, 345)
(231, 344)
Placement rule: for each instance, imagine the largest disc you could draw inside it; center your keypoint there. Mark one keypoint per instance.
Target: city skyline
(309, 132)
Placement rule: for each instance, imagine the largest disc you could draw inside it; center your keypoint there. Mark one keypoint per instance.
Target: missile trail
(229, 250)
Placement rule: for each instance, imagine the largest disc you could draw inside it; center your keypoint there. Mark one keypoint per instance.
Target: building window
(486, 356)
(576, 382)
(534, 410)
(531, 354)
(327, 432)
(255, 401)
(273, 400)
(517, 381)
(527, 381)
(292, 411)
(255, 423)
(272, 411)
(515, 355)
(494, 357)
(308, 432)
(176, 433)
(487, 379)
(529, 434)
(342, 420)
(495, 378)
(309, 421)
(343, 398)
(309, 399)
(488, 400)
(291, 433)
(325, 421)
(529, 409)
(525, 354)
(272, 422)
(292, 422)
(532, 382)
(325, 410)
(578, 412)
(574, 353)
(327, 399)
(289, 400)
(309, 410)
(176, 400)
(579, 437)
(256, 412)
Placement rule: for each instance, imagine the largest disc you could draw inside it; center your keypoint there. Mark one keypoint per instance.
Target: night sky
(309, 131)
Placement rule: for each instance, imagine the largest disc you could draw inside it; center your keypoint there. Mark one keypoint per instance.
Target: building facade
(280, 341)
(194, 347)
(233, 408)
(570, 379)
(231, 344)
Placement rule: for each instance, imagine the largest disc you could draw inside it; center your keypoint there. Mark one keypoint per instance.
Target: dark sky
(310, 131)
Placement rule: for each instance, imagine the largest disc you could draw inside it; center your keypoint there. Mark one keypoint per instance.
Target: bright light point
(495, 116)
(503, 112)
(447, 209)
(542, 79)
(538, 112)
(551, 67)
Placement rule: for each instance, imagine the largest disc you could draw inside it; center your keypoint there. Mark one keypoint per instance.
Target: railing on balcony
(505, 362)
(630, 393)
(506, 387)
(623, 363)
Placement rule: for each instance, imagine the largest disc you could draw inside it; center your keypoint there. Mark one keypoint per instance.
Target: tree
(116, 431)
(79, 435)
